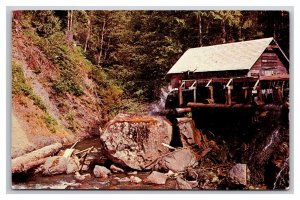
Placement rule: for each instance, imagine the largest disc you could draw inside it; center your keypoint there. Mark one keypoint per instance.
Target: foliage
(50, 122)
(137, 48)
(73, 125)
(130, 52)
(45, 22)
(19, 86)
(108, 94)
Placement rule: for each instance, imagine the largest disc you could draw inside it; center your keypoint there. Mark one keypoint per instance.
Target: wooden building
(241, 71)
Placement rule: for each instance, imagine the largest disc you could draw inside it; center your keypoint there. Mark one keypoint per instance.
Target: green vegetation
(128, 53)
(50, 122)
(73, 125)
(135, 49)
(20, 87)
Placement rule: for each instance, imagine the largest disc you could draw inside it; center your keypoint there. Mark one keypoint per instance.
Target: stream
(67, 181)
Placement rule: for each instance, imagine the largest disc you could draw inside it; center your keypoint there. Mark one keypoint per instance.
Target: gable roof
(222, 57)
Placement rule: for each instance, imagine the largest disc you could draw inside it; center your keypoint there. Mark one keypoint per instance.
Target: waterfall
(158, 106)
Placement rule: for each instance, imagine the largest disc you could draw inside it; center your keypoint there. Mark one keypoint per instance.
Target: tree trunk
(71, 20)
(88, 34)
(108, 43)
(34, 158)
(223, 24)
(200, 29)
(68, 28)
(101, 45)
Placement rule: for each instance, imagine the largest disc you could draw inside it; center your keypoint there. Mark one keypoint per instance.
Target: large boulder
(55, 165)
(136, 140)
(177, 161)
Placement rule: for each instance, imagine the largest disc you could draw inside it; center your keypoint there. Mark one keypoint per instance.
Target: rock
(132, 173)
(85, 168)
(135, 140)
(192, 137)
(80, 177)
(176, 161)
(125, 179)
(182, 184)
(135, 179)
(156, 178)
(187, 131)
(72, 166)
(55, 165)
(94, 159)
(238, 175)
(116, 169)
(90, 159)
(170, 174)
(101, 172)
(193, 184)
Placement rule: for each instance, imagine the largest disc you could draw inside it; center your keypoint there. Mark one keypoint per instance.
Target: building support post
(210, 91)
(194, 88)
(180, 96)
(278, 94)
(257, 93)
(245, 92)
(228, 95)
(228, 88)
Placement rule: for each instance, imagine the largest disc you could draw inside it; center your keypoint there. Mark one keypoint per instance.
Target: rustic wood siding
(268, 64)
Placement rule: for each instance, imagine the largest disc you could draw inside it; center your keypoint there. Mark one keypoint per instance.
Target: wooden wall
(268, 64)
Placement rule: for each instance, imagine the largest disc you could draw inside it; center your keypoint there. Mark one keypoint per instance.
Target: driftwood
(69, 152)
(34, 158)
(84, 157)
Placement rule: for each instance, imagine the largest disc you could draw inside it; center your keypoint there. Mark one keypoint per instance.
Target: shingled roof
(230, 56)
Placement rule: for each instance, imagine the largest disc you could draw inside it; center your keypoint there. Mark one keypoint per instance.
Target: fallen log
(34, 158)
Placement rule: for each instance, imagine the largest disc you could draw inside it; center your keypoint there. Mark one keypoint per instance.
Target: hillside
(57, 94)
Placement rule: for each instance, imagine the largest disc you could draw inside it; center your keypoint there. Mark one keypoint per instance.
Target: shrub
(50, 122)
(20, 86)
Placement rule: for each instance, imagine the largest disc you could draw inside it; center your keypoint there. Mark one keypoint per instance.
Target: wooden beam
(228, 88)
(211, 93)
(278, 94)
(218, 105)
(228, 96)
(183, 110)
(180, 96)
(194, 88)
(281, 77)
